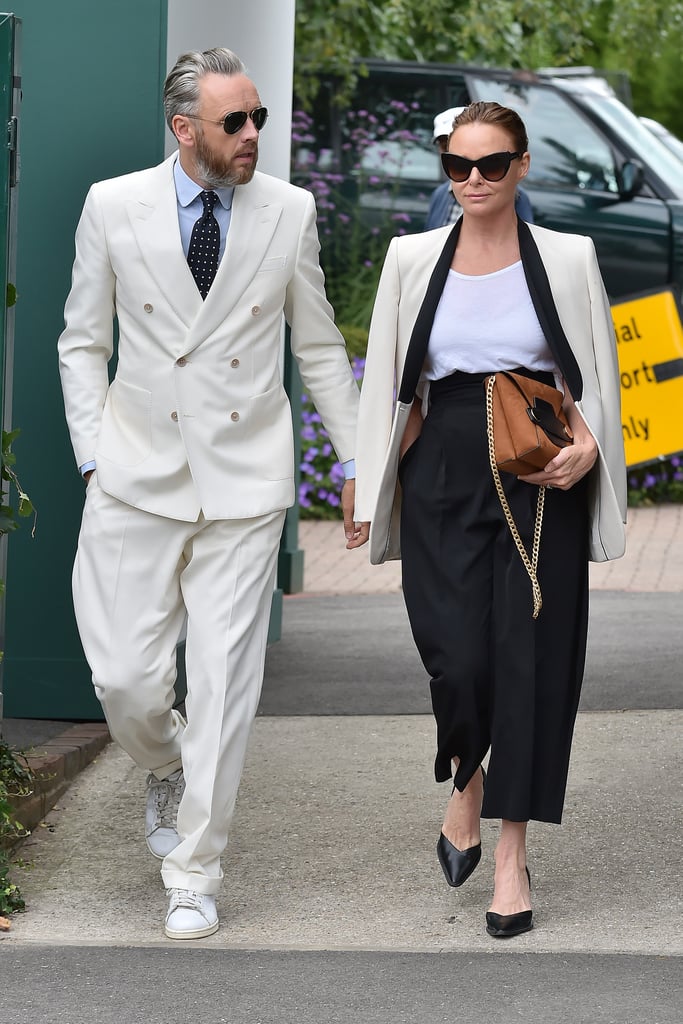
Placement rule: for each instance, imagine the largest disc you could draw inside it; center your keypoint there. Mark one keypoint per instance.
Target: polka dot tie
(202, 255)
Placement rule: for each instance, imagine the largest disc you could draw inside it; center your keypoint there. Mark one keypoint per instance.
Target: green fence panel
(92, 78)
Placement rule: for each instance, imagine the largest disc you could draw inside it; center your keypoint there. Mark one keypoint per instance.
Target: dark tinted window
(566, 151)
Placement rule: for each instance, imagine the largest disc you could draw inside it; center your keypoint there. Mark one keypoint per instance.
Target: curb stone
(56, 763)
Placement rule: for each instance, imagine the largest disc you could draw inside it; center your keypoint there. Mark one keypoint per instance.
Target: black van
(596, 169)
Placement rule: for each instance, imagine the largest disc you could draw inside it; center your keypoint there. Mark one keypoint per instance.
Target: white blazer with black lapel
(573, 310)
(197, 417)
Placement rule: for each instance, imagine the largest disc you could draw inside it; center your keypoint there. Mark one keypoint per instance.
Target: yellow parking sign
(650, 345)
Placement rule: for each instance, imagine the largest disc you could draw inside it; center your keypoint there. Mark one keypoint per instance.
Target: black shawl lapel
(419, 339)
(541, 297)
(546, 311)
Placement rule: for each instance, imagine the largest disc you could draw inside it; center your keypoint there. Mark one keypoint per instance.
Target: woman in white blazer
(454, 305)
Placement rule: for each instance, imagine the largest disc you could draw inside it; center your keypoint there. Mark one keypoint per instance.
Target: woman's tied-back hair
(181, 88)
(503, 117)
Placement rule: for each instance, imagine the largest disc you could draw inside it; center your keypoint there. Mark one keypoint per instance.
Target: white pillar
(261, 32)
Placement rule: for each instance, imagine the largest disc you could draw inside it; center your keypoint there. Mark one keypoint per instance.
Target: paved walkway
(653, 560)
(334, 910)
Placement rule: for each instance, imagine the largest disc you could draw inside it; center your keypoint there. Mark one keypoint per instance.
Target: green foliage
(656, 483)
(16, 780)
(506, 33)
(356, 339)
(8, 514)
(374, 144)
(643, 38)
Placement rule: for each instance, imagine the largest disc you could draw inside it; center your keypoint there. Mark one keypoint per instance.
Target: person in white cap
(443, 208)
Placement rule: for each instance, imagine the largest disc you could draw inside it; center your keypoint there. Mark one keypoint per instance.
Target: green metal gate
(92, 79)
(10, 92)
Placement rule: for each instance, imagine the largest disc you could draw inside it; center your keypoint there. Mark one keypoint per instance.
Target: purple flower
(337, 474)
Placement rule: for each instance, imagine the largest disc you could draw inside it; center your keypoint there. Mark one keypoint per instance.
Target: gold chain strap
(530, 564)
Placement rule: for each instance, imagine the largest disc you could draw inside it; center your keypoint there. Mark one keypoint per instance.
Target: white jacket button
(148, 307)
(234, 363)
(255, 310)
(174, 416)
(234, 416)
(181, 362)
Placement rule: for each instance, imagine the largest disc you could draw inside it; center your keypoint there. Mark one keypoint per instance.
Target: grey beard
(213, 178)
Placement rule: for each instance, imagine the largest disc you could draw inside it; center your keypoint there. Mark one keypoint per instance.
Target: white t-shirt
(486, 323)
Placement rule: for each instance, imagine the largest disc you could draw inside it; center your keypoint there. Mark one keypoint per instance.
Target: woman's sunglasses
(493, 167)
(234, 122)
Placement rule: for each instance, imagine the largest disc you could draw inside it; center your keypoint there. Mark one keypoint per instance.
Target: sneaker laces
(185, 898)
(166, 796)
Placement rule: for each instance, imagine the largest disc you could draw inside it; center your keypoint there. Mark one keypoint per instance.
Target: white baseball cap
(443, 122)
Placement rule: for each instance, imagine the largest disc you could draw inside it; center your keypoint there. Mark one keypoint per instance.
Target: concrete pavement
(334, 907)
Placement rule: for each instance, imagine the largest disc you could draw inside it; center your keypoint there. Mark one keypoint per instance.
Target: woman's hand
(568, 466)
(355, 533)
(573, 462)
(359, 535)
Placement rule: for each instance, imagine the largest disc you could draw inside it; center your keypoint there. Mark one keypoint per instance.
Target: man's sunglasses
(493, 167)
(234, 122)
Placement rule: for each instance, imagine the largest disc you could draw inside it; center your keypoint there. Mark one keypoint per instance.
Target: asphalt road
(82, 985)
(333, 659)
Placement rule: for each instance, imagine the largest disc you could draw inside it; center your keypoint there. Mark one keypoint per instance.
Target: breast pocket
(272, 263)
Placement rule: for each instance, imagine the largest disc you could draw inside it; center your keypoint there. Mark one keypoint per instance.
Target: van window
(565, 149)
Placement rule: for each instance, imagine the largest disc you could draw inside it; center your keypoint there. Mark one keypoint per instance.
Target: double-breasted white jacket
(196, 417)
(570, 300)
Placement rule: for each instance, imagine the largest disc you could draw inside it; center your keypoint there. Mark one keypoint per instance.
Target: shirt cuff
(86, 467)
(349, 469)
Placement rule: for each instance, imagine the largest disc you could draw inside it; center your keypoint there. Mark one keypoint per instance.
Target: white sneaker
(191, 915)
(161, 818)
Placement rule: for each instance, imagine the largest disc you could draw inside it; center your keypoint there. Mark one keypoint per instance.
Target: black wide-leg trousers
(499, 678)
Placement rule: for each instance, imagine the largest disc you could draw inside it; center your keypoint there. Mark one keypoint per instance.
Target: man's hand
(355, 533)
(86, 476)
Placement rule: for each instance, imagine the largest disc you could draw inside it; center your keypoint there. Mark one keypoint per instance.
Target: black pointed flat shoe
(506, 926)
(457, 864)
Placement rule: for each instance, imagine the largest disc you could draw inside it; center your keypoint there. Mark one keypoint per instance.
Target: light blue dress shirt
(190, 207)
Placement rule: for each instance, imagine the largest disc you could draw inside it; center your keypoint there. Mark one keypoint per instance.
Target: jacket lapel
(419, 339)
(154, 220)
(546, 310)
(541, 297)
(252, 224)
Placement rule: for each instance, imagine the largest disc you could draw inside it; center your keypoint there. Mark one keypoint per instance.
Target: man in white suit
(188, 454)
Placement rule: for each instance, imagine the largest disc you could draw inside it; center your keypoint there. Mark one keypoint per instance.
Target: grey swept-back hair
(181, 88)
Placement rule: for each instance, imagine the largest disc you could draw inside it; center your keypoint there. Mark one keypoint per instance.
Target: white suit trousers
(135, 576)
